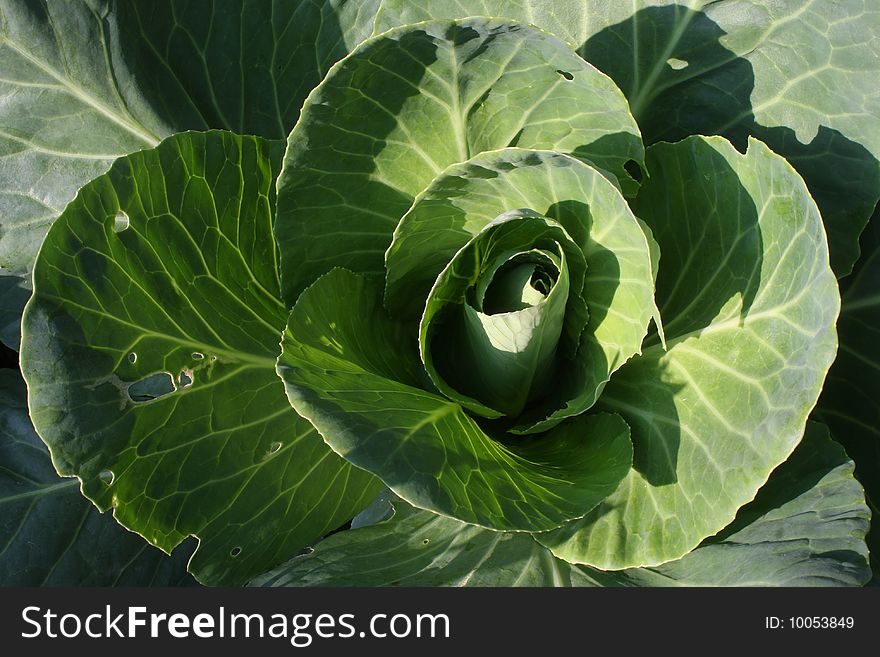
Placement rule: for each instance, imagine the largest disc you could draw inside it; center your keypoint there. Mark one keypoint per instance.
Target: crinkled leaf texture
(805, 528)
(49, 534)
(149, 350)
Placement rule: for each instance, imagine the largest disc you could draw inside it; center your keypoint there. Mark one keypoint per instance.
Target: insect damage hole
(106, 477)
(185, 378)
(132, 358)
(274, 447)
(151, 387)
(120, 222)
(676, 64)
(234, 552)
(565, 74)
(634, 170)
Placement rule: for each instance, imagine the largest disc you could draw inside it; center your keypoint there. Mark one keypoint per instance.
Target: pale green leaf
(493, 363)
(618, 286)
(749, 303)
(798, 74)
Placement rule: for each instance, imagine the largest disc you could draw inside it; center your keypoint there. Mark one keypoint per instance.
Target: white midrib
(39, 492)
(551, 567)
(83, 96)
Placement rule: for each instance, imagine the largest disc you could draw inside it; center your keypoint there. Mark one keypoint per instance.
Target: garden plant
(439, 293)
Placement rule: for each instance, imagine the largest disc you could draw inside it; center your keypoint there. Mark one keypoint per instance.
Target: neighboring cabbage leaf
(850, 401)
(49, 534)
(149, 351)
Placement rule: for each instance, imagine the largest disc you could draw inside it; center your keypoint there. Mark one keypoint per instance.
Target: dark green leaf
(86, 81)
(850, 401)
(49, 534)
(355, 374)
(806, 527)
(149, 351)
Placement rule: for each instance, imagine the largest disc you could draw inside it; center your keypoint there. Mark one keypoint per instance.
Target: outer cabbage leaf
(14, 293)
(86, 81)
(798, 74)
(149, 350)
(405, 105)
(749, 306)
(850, 401)
(355, 374)
(806, 527)
(50, 535)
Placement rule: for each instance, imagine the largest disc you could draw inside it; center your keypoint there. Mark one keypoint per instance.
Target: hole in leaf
(106, 476)
(426, 541)
(565, 74)
(633, 169)
(676, 64)
(120, 222)
(197, 356)
(274, 447)
(151, 387)
(132, 357)
(185, 378)
(234, 552)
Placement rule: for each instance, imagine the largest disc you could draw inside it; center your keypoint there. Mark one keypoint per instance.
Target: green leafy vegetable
(561, 356)
(355, 381)
(749, 305)
(850, 402)
(797, 74)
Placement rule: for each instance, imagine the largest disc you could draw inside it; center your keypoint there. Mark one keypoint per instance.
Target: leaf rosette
(463, 274)
(500, 368)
